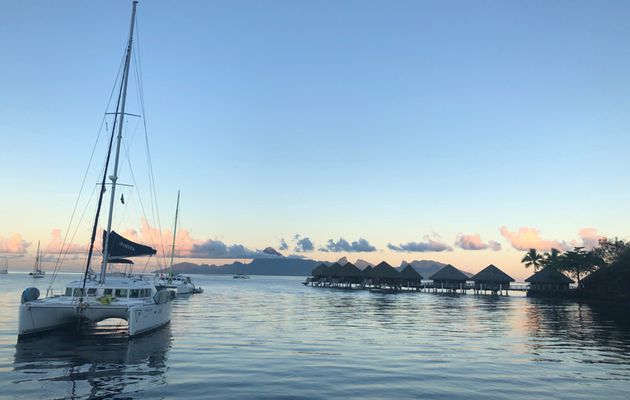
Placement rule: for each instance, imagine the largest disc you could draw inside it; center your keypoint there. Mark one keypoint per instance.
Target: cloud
(589, 238)
(304, 245)
(283, 245)
(342, 245)
(430, 244)
(56, 241)
(217, 249)
(494, 246)
(474, 242)
(187, 246)
(301, 257)
(529, 238)
(14, 244)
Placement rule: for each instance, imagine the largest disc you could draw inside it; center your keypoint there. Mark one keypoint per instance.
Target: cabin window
(69, 291)
(135, 293)
(92, 292)
(79, 292)
(147, 292)
(121, 292)
(107, 292)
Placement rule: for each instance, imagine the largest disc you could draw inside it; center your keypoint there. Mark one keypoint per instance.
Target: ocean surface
(271, 337)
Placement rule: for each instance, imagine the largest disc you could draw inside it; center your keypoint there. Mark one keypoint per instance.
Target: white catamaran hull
(40, 317)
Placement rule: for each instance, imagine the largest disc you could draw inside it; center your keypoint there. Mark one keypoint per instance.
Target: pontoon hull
(38, 317)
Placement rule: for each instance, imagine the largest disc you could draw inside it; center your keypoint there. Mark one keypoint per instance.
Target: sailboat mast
(170, 270)
(114, 176)
(37, 258)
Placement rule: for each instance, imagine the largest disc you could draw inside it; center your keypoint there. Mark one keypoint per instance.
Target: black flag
(122, 198)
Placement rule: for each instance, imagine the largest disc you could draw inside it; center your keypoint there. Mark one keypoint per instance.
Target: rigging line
(135, 184)
(152, 187)
(60, 256)
(102, 192)
(146, 264)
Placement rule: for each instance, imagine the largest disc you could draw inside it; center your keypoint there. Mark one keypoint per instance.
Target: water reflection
(99, 363)
(591, 333)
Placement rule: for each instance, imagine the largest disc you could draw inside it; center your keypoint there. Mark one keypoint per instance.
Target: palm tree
(532, 259)
(552, 259)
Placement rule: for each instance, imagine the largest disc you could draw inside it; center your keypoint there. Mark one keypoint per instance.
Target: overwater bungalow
(368, 273)
(410, 277)
(493, 279)
(331, 275)
(350, 275)
(386, 275)
(449, 278)
(319, 273)
(548, 279)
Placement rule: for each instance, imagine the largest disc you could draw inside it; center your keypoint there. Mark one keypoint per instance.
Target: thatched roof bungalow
(549, 279)
(449, 277)
(320, 270)
(333, 271)
(349, 273)
(492, 278)
(384, 273)
(410, 277)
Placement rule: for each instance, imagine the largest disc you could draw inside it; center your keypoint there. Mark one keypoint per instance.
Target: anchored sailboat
(99, 296)
(181, 284)
(37, 268)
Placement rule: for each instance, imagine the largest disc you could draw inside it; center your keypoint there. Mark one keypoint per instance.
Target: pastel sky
(458, 131)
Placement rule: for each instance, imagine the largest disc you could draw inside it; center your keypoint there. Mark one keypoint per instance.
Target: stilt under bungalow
(492, 279)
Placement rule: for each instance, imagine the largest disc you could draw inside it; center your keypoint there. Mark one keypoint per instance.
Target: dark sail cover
(119, 261)
(121, 247)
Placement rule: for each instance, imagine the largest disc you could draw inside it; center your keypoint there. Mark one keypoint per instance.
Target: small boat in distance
(37, 268)
(4, 265)
(240, 275)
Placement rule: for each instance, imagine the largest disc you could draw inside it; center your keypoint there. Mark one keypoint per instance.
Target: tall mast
(170, 270)
(37, 258)
(114, 176)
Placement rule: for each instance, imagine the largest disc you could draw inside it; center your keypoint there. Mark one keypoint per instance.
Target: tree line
(580, 262)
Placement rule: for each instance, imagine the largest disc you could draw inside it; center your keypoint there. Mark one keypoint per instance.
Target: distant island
(288, 266)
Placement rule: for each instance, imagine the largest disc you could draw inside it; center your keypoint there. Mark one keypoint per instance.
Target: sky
(462, 132)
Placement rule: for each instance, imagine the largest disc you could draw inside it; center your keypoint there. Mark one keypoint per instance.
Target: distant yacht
(180, 284)
(37, 268)
(240, 274)
(97, 297)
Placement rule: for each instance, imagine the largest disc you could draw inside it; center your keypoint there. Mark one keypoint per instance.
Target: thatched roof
(333, 270)
(549, 275)
(349, 270)
(384, 270)
(449, 273)
(320, 270)
(368, 271)
(491, 274)
(410, 273)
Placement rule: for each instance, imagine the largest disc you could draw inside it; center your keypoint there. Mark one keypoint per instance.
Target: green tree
(532, 259)
(552, 259)
(579, 262)
(610, 250)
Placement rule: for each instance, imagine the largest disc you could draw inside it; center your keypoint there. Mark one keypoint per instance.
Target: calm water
(270, 337)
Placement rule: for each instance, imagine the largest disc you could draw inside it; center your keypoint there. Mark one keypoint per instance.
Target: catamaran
(99, 296)
(38, 272)
(180, 284)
